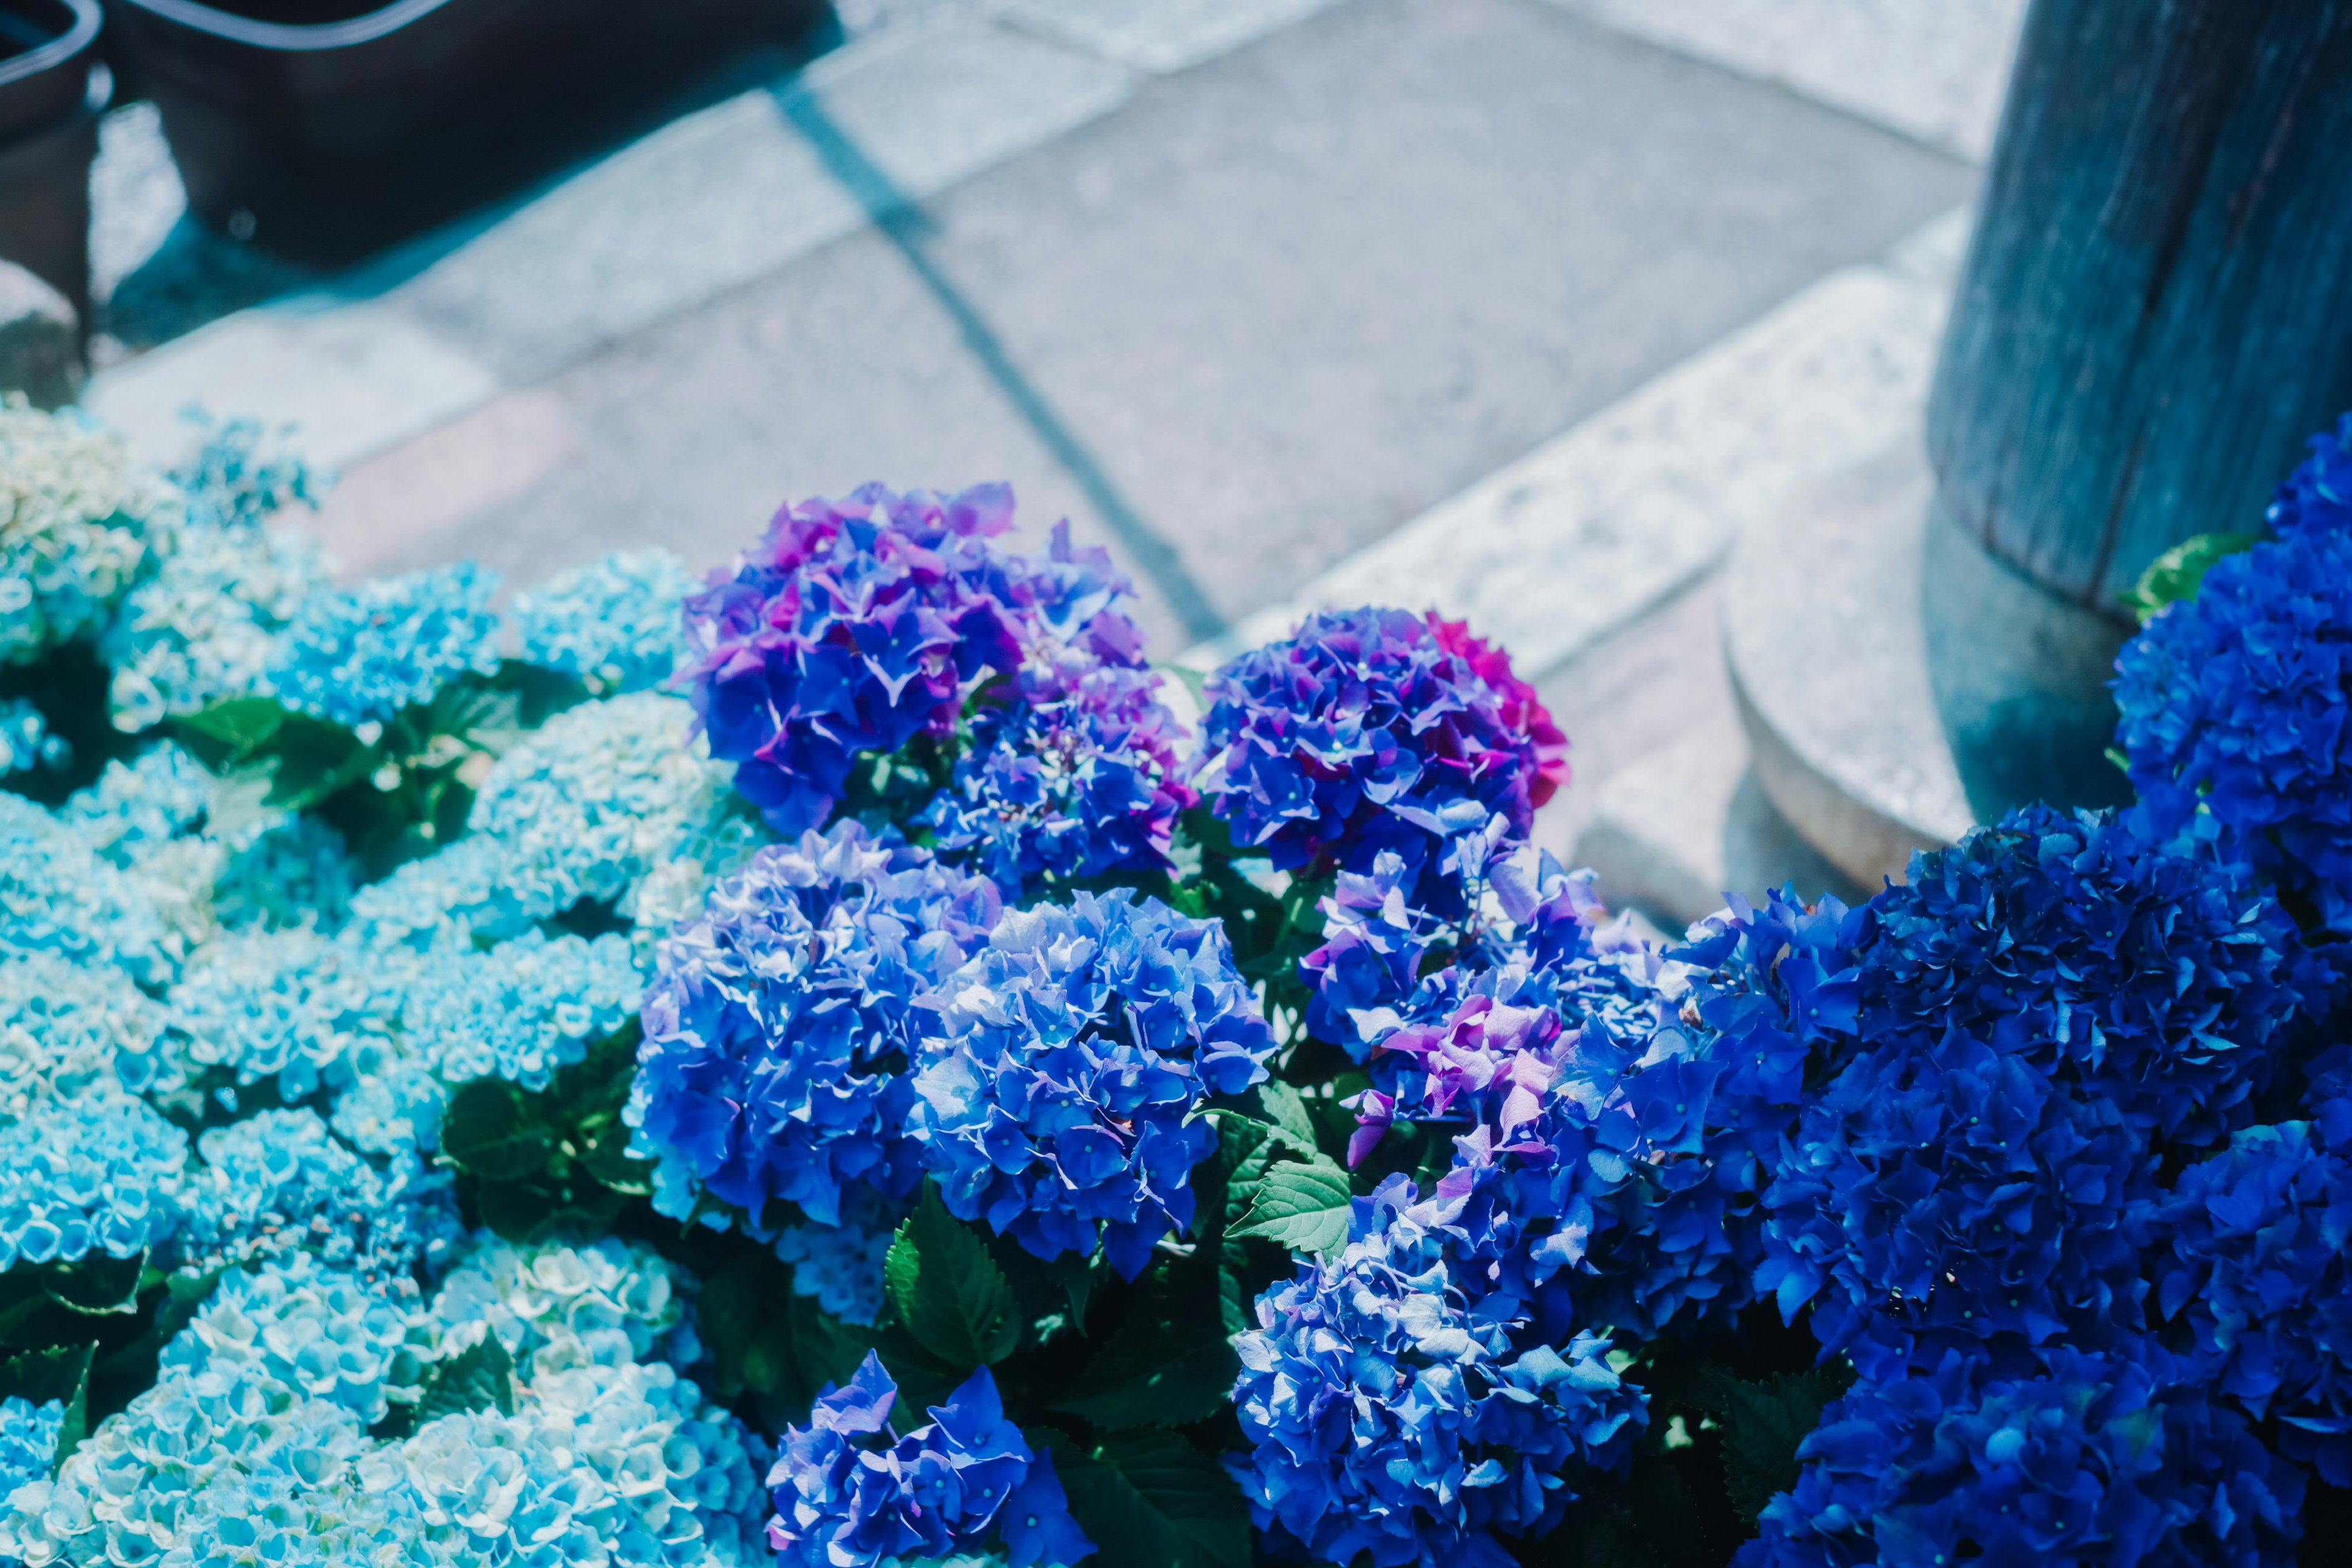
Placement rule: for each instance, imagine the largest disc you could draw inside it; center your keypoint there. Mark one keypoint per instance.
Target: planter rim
(301, 37)
(73, 41)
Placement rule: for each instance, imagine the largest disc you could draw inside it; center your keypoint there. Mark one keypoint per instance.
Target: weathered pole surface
(2156, 310)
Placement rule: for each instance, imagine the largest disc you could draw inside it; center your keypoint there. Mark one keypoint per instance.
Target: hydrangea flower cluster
(1078, 1044)
(59, 896)
(857, 626)
(1370, 730)
(280, 1180)
(96, 1171)
(606, 804)
(1394, 1413)
(290, 1005)
(2232, 709)
(851, 1493)
(1075, 781)
(360, 657)
(64, 1027)
(613, 624)
(779, 1028)
(28, 1440)
(522, 1009)
(74, 516)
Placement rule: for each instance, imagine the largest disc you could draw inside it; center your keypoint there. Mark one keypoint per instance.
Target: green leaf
(767, 1340)
(1762, 1425)
(1151, 1499)
(239, 725)
(947, 1293)
(61, 1373)
(1154, 1374)
(480, 1377)
(97, 1285)
(2177, 572)
(314, 760)
(1303, 1205)
(497, 1132)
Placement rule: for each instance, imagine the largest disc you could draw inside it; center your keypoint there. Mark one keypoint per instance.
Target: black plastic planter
(50, 96)
(325, 130)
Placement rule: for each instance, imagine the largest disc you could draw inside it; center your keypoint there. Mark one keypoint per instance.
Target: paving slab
(1158, 36)
(1270, 309)
(1930, 68)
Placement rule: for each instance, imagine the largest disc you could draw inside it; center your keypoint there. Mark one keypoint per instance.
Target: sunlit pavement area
(1518, 308)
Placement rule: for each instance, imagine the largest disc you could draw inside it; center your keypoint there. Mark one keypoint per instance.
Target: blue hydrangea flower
(200, 629)
(2317, 497)
(841, 1265)
(2255, 1261)
(2233, 707)
(360, 656)
(556, 1306)
(28, 1440)
(857, 626)
(278, 874)
(64, 1027)
(27, 744)
(522, 1009)
(313, 1328)
(615, 624)
(96, 1172)
(76, 510)
(605, 799)
(1076, 780)
(1394, 1410)
(279, 1181)
(1076, 1048)
(59, 896)
(290, 1005)
(2090, 1459)
(136, 807)
(1370, 730)
(850, 1493)
(779, 1026)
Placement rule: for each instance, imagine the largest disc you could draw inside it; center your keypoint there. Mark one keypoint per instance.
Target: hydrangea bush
(819, 1064)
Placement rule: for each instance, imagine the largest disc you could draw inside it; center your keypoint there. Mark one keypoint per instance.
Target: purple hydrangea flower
(858, 625)
(2233, 707)
(778, 1028)
(850, 1493)
(1372, 730)
(1074, 777)
(2099, 1459)
(1077, 1045)
(1394, 1409)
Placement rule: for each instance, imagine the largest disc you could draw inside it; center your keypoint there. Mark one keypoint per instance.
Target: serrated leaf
(1156, 1379)
(767, 1340)
(947, 1292)
(1763, 1423)
(1151, 1499)
(2180, 571)
(497, 1132)
(1301, 1205)
(313, 759)
(479, 1377)
(99, 1285)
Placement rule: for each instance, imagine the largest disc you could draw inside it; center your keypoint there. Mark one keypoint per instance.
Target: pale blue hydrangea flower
(59, 896)
(617, 622)
(290, 871)
(28, 1440)
(841, 1265)
(26, 742)
(425, 905)
(393, 1108)
(522, 1009)
(75, 511)
(290, 1003)
(278, 1181)
(318, 1330)
(64, 1026)
(138, 806)
(96, 1172)
(388, 644)
(552, 1305)
(603, 798)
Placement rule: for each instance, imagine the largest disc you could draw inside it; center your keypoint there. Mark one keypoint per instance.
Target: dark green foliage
(398, 792)
(768, 1344)
(947, 1292)
(539, 1161)
(1763, 1422)
(1169, 1363)
(480, 1377)
(1269, 933)
(1151, 1499)
(68, 685)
